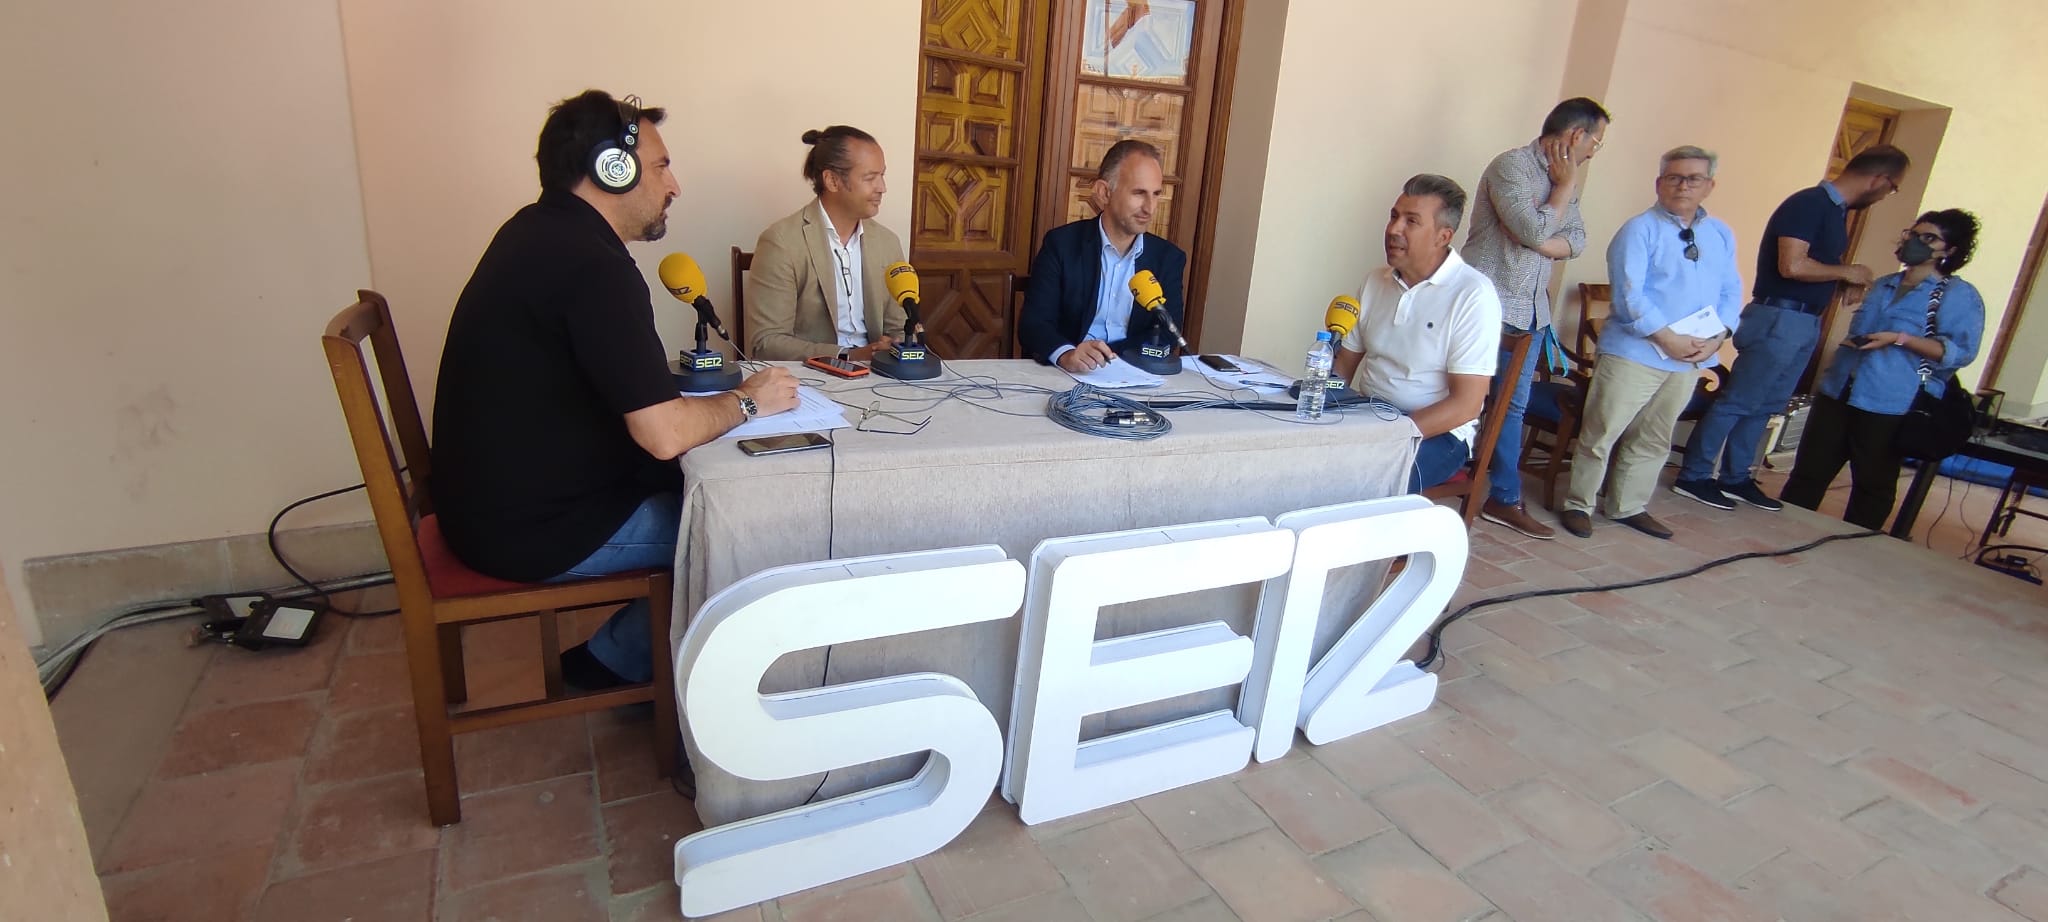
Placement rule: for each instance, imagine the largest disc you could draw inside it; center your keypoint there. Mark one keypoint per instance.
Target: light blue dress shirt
(1113, 294)
(1885, 378)
(1656, 286)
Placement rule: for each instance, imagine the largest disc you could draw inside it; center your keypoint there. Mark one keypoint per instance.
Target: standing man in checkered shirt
(1525, 219)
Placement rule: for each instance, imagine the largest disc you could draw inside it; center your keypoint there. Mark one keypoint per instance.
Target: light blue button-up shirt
(1656, 286)
(1886, 377)
(1113, 294)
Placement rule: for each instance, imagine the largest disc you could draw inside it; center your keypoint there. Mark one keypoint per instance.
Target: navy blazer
(1059, 303)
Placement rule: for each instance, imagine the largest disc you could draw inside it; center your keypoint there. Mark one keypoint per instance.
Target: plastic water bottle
(1315, 381)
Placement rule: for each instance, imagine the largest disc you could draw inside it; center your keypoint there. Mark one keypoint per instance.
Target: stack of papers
(1118, 373)
(814, 412)
(1255, 375)
(1704, 323)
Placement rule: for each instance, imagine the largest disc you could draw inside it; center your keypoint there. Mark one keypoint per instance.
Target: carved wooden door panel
(1145, 69)
(981, 75)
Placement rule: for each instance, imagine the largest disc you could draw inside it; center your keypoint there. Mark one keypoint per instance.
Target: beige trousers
(1625, 437)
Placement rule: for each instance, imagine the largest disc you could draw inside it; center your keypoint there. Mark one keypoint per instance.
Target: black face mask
(1913, 252)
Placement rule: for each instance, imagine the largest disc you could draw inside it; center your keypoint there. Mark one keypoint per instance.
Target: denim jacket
(1885, 378)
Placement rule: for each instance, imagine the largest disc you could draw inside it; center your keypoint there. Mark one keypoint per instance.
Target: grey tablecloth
(977, 476)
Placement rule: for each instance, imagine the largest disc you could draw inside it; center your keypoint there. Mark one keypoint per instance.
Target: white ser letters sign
(1063, 674)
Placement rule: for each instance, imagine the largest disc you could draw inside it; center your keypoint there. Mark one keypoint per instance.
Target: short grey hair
(1446, 190)
(1113, 159)
(1689, 152)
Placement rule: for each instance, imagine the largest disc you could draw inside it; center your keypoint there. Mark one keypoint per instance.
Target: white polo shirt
(1415, 338)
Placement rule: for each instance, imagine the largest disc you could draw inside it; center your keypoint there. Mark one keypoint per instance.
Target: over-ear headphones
(614, 164)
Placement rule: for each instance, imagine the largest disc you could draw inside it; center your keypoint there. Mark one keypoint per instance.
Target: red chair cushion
(1463, 474)
(448, 576)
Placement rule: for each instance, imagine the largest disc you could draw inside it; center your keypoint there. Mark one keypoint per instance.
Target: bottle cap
(1324, 336)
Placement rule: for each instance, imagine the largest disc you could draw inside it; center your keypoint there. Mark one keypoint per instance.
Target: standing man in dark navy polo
(1078, 311)
(1800, 262)
(557, 422)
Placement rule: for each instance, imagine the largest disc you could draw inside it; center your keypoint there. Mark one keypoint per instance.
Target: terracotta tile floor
(1859, 732)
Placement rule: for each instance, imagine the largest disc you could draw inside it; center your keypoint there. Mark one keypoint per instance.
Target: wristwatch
(747, 404)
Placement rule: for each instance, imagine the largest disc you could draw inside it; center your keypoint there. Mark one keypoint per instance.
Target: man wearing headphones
(556, 420)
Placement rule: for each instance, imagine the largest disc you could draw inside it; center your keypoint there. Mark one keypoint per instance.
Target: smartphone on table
(1221, 364)
(783, 444)
(833, 365)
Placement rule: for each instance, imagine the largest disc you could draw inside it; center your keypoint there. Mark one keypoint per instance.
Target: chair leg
(551, 652)
(454, 679)
(667, 729)
(424, 654)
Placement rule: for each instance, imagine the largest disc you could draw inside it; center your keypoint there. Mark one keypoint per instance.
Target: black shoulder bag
(1936, 427)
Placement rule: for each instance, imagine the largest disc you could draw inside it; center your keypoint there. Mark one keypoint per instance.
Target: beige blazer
(790, 303)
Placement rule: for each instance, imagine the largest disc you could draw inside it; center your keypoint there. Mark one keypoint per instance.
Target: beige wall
(183, 214)
(448, 99)
(1366, 98)
(1244, 178)
(2024, 377)
(1763, 83)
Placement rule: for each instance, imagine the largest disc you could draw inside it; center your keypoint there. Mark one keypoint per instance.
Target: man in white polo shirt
(1428, 334)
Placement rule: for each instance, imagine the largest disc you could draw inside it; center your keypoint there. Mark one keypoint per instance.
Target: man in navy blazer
(1078, 310)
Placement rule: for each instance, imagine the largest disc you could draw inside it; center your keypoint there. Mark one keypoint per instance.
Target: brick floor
(1859, 732)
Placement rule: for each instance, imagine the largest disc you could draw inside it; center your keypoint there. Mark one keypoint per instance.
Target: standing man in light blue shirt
(1677, 298)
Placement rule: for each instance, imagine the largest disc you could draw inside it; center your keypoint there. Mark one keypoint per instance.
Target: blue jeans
(647, 540)
(1504, 475)
(1772, 347)
(1437, 459)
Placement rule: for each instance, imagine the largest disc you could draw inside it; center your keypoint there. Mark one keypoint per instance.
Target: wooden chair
(437, 594)
(1013, 306)
(1469, 485)
(742, 261)
(1557, 402)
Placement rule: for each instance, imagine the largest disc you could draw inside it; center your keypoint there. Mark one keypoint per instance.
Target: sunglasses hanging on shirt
(1692, 248)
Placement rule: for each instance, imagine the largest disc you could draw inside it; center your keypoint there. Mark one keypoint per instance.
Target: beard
(655, 229)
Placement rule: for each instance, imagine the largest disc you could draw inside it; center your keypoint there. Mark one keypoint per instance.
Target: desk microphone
(910, 359)
(700, 370)
(1342, 316)
(1155, 354)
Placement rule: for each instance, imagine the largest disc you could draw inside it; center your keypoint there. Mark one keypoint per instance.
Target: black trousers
(1837, 433)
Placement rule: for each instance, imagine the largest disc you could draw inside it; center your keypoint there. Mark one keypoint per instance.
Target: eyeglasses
(1692, 248)
(875, 411)
(1695, 181)
(1929, 239)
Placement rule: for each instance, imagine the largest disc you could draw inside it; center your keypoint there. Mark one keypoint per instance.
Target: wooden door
(981, 75)
(1145, 69)
(1864, 125)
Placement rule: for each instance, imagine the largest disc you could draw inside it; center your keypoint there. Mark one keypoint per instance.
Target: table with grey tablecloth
(991, 468)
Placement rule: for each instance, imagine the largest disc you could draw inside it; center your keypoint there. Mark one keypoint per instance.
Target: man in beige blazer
(817, 285)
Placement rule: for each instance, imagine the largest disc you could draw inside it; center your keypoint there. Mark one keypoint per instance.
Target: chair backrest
(396, 477)
(1596, 301)
(742, 261)
(1013, 311)
(1496, 416)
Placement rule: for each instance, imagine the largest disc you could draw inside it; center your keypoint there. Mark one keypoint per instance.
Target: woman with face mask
(1915, 327)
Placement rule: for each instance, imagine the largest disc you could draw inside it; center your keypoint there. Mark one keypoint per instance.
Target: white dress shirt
(850, 319)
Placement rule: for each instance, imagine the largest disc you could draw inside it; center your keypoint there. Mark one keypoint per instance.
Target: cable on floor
(1436, 634)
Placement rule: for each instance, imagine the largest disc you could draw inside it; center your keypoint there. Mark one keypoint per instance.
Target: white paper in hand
(1704, 323)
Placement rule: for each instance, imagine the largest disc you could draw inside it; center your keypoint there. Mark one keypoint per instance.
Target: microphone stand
(1155, 354)
(703, 369)
(909, 359)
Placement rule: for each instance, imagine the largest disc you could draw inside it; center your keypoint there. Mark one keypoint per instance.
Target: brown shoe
(1516, 517)
(1642, 522)
(1578, 523)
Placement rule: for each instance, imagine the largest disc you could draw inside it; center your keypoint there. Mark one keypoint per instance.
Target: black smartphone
(783, 444)
(1221, 364)
(1860, 340)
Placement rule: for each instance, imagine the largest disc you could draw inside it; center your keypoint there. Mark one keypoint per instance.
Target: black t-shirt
(1812, 216)
(552, 343)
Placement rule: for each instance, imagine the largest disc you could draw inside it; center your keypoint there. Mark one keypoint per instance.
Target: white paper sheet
(1118, 373)
(1704, 323)
(1256, 375)
(814, 412)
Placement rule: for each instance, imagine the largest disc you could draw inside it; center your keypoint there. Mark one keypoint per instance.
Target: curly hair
(1959, 229)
